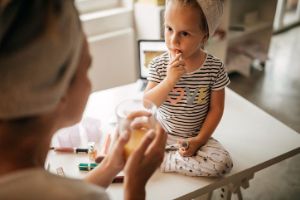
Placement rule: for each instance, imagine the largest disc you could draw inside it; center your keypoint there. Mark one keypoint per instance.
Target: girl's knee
(224, 165)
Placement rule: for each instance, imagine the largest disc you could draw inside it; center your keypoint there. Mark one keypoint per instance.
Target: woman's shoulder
(40, 184)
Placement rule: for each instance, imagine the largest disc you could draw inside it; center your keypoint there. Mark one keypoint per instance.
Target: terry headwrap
(212, 10)
(34, 78)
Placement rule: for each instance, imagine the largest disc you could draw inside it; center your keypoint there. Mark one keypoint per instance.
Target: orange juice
(135, 139)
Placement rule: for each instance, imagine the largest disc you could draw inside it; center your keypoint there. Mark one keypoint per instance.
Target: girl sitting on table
(188, 85)
(44, 61)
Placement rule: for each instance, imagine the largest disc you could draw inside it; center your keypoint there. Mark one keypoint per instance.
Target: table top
(254, 139)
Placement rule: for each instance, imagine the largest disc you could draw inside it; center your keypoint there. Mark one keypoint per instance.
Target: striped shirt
(186, 107)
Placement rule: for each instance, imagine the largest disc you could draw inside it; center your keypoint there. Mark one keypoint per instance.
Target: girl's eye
(185, 34)
(168, 28)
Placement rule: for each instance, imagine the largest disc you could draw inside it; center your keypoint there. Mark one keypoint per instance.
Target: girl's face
(182, 30)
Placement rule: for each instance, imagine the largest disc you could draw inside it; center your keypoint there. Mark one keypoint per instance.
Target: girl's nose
(175, 40)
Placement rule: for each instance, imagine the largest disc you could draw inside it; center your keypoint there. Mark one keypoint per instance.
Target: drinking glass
(135, 126)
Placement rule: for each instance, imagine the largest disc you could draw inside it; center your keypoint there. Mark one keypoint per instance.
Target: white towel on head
(36, 76)
(213, 10)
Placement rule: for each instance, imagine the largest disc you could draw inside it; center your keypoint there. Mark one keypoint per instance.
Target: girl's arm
(158, 92)
(212, 120)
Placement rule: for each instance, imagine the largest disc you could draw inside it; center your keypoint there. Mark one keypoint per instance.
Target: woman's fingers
(123, 139)
(139, 113)
(157, 148)
(147, 157)
(161, 138)
(140, 125)
(141, 122)
(138, 120)
(120, 143)
(139, 153)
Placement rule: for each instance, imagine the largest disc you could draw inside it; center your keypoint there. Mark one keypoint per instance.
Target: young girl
(187, 84)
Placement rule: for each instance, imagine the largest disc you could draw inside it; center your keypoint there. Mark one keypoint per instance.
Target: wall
(113, 59)
(112, 43)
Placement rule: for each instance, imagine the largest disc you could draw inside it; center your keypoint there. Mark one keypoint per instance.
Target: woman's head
(42, 49)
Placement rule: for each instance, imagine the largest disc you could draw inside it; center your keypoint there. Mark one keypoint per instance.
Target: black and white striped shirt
(186, 107)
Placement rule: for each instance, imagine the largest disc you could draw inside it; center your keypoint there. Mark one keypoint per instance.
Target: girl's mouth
(177, 51)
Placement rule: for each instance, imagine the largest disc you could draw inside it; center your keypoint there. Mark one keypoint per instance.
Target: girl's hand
(189, 147)
(175, 69)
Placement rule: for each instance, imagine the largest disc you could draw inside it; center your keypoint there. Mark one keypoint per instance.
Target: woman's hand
(111, 165)
(115, 161)
(115, 158)
(175, 69)
(143, 162)
(189, 147)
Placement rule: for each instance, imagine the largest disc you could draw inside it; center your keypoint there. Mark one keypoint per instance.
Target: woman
(44, 60)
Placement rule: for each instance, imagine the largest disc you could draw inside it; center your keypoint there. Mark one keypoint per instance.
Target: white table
(255, 140)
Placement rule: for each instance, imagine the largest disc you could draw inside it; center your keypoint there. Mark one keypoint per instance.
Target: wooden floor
(276, 89)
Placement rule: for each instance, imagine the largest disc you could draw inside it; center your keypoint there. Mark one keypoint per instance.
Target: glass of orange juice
(136, 124)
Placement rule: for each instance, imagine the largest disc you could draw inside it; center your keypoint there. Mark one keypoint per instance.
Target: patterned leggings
(211, 160)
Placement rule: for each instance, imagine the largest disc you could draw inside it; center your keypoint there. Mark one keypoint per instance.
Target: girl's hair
(194, 4)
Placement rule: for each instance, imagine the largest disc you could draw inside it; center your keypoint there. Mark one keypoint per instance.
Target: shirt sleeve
(222, 79)
(154, 74)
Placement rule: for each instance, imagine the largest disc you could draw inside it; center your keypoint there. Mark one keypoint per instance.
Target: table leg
(226, 191)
